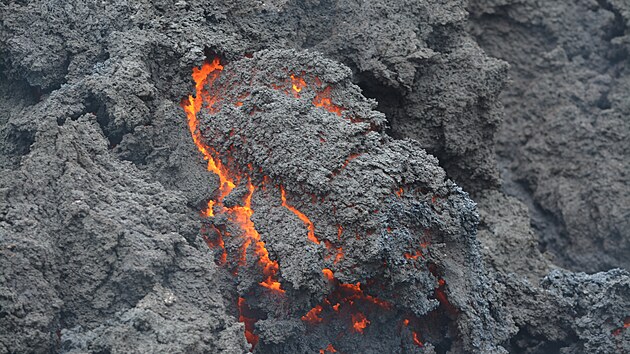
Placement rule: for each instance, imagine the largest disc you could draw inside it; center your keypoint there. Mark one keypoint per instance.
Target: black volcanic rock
(102, 243)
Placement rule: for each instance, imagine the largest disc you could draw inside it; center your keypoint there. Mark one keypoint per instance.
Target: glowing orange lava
(249, 322)
(359, 322)
(297, 84)
(309, 224)
(416, 340)
(347, 296)
(348, 299)
(328, 349)
(328, 274)
(240, 215)
(345, 163)
(416, 336)
(626, 324)
(209, 212)
(323, 100)
(312, 316)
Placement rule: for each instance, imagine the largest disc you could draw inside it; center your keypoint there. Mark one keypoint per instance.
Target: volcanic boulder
(338, 205)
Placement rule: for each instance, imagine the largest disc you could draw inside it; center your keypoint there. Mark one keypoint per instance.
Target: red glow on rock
(243, 309)
(301, 216)
(312, 316)
(323, 100)
(297, 84)
(328, 274)
(328, 349)
(416, 340)
(359, 322)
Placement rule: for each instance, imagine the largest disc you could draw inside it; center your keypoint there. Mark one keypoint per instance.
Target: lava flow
(348, 299)
(228, 180)
(347, 302)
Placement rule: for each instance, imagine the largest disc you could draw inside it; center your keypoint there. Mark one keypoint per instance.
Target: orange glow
(359, 322)
(312, 316)
(349, 299)
(322, 99)
(337, 250)
(201, 77)
(209, 212)
(626, 324)
(339, 255)
(414, 256)
(218, 243)
(241, 215)
(443, 299)
(400, 192)
(416, 336)
(328, 273)
(328, 349)
(345, 163)
(297, 84)
(301, 216)
(416, 340)
(249, 322)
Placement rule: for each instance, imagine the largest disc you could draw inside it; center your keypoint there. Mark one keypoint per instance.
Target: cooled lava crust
(336, 235)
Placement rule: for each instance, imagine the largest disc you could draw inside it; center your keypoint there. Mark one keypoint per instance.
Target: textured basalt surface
(383, 207)
(564, 145)
(108, 243)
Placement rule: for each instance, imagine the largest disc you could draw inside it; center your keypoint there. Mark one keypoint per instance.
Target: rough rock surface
(101, 243)
(376, 198)
(550, 310)
(94, 252)
(564, 146)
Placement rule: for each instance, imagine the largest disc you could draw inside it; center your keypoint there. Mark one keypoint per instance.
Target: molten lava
(297, 84)
(328, 349)
(345, 300)
(249, 322)
(415, 335)
(312, 316)
(309, 224)
(359, 322)
(626, 324)
(240, 215)
(322, 99)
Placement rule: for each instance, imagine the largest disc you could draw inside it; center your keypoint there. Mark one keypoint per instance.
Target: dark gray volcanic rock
(94, 252)
(549, 312)
(307, 150)
(100, 236)
(565, 144)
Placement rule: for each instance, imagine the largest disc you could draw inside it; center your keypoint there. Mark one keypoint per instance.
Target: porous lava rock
(564, 146)
(101, 238)
(401, 226)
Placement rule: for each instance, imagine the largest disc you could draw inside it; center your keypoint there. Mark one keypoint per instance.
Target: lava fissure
(228, 180)
(344, 301)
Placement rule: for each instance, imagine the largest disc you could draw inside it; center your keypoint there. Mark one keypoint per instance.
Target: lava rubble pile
(333, 231)
(314, 176)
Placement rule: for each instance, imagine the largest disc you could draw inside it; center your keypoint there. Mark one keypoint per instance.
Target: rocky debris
(384, 204)
(564, 146)
(549, 309)
(101, 243)
(93, 251)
